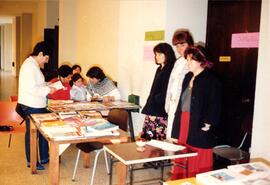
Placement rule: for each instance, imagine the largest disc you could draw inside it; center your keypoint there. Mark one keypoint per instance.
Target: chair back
(8, 115)
(119, 117)
(13, 98)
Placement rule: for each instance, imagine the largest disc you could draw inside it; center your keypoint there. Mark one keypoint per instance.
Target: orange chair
(9, 117)
(13, 98)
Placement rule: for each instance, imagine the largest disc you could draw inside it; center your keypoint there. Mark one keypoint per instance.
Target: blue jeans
(43, 144)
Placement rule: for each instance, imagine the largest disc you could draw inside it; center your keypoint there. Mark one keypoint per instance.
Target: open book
(256, 173)
(57, 85)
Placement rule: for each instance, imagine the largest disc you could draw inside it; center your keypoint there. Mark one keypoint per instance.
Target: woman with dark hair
(101, 86)
(155, 123)
(197, 114)
(181, 40)
(32, 96)
(64, 76)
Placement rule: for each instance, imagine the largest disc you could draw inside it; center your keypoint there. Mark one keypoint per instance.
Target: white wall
(260, 145)
(137, 17)
(7, 47)
(67, 30)
(189, 14)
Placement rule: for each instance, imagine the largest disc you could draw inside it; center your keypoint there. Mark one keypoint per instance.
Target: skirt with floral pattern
(154, 128)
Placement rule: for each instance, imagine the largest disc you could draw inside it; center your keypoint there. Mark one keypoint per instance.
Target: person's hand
(52, 90)
(206, 127)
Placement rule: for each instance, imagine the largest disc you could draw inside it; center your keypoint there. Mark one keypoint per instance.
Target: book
(57, 85)
(103, 126)
(45, 117)
(254, 169)
(64, 115)
(89, 114)
(52, 123)
(62, 132)
(217, 177)
(256, 181)
(255, 173)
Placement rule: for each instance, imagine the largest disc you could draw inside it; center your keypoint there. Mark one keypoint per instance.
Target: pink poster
(245, 40)
(148, 54)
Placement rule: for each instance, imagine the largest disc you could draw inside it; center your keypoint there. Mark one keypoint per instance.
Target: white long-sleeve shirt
(174, 88)
(32, 86)
(79, 93)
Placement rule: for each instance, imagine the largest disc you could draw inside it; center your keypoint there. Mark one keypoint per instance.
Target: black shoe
(44, 161)
(39, 166)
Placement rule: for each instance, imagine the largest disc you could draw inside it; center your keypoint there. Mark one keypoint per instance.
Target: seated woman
(79, 91)
(100, 85)
(64, 76)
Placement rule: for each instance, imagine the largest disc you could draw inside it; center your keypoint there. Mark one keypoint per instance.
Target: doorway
(238, 71)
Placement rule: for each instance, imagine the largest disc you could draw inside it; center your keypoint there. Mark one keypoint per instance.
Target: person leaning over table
(79, 91)
(197, 114)
(101, 86)
(32, 96)
(64, 76)
(181, 40)
(155, 123)
(76, 69)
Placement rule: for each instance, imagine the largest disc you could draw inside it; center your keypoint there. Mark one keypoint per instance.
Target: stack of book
(101, 128)
(256, 173)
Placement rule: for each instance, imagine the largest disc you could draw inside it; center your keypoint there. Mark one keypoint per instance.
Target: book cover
(103, 126)
(255, 169)
(45, 117)
(217, 177)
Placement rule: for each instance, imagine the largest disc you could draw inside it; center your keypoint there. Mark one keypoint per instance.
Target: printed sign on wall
(245, 40)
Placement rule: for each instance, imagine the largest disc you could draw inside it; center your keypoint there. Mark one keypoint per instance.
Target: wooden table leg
(33, 148)
(54, 171)
(86, 159)
(121, 173)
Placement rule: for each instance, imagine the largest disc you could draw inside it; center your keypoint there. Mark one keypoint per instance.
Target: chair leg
(76, 165)
(9, 141)
(95, 166)
(106, 162)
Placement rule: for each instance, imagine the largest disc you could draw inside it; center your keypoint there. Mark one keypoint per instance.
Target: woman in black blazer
(155, 123)
(197, 114)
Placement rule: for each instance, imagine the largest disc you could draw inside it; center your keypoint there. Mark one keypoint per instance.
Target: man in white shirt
(33, 91)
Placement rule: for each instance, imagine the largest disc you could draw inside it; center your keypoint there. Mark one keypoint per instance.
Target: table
(178, 182)
(127, 156)
(63, 105)
(54, 172)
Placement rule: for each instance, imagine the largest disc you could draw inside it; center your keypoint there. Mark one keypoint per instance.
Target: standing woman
(181, 40)
(155, 123)
(197, 114)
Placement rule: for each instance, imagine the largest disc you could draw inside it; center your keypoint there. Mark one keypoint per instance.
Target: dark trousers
(43, 144)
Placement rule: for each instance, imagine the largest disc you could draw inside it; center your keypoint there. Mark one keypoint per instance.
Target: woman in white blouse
(182, 39)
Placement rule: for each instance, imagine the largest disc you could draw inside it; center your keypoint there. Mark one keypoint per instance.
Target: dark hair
(44, 47)
(76, 66)
(182, 36)
(199, 56)
(95, 72)
(76, 77)
(167, 50)
(64, 71)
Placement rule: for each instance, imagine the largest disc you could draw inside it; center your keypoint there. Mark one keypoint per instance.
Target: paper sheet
(165, 145)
